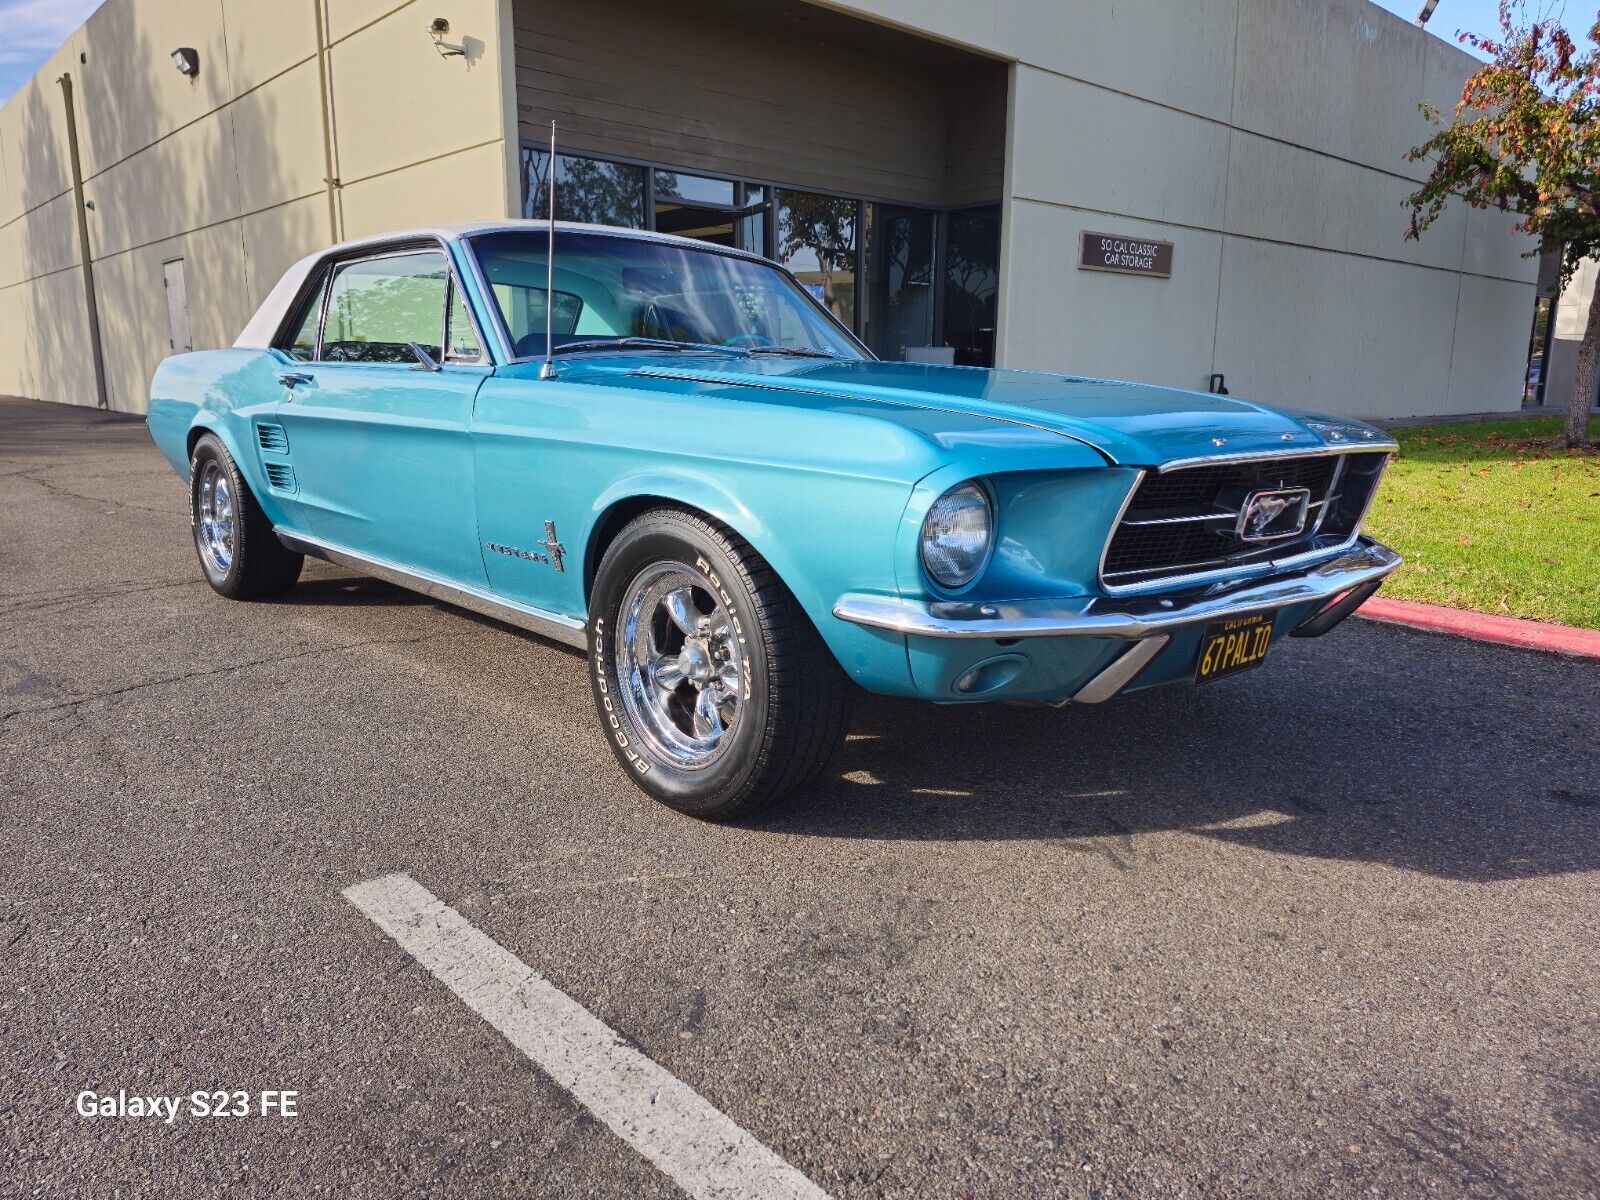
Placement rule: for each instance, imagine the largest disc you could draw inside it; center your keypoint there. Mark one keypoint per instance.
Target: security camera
(438, 31)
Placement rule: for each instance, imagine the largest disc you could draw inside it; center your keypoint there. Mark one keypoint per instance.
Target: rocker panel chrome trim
(558, 628)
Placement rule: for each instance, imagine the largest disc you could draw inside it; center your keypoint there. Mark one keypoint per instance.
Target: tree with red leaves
(1525, 139)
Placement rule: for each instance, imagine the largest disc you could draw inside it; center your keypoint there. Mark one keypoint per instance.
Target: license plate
(1229, 647)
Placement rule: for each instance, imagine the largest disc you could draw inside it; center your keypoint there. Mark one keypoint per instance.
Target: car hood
(1131, 424)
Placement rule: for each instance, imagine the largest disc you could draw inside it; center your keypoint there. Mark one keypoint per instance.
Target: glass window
(972, 284)
(694, 189)
(303, 344)
(587, 189)
(750, 227)
(817, 241)
(379, 306)
(900, 283)
(459, 336)
(1538, 346)
(618, 287)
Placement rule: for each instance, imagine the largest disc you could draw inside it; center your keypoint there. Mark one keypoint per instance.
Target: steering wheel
(750, 339)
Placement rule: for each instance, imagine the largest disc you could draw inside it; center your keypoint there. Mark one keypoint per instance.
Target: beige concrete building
(928, 167)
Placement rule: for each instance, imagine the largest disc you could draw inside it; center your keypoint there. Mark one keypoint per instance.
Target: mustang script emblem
(1270, 515)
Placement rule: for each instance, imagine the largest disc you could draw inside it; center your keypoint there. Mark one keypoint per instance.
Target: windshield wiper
(791, 351)
(645, 343)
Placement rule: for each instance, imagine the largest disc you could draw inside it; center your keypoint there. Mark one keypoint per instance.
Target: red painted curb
(1507, 631)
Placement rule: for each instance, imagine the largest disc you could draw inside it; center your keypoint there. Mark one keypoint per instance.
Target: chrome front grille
(1186, 522)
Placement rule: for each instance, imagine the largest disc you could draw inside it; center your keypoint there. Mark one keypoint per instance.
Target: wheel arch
(872, 657)
(625, 501)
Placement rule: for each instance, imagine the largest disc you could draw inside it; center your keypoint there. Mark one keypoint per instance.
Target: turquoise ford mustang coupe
(668, 454)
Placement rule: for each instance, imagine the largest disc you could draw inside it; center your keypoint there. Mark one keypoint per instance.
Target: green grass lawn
(1490, 519)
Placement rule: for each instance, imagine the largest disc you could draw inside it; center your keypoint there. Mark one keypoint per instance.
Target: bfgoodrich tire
(715, 691)
(240, 555)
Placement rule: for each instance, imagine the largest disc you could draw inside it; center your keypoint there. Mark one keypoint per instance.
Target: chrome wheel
(214, 525)
(680, 665)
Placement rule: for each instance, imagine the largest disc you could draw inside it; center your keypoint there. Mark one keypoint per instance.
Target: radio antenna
(548, 371)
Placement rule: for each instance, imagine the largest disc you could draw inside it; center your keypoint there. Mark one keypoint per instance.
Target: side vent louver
(281, 476)
(272, 439)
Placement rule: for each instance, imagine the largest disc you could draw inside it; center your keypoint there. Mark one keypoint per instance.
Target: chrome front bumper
(1129, 617)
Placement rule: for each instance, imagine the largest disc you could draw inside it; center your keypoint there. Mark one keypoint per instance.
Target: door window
(378, 306)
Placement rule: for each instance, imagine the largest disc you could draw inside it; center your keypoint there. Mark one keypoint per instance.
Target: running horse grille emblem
(1269, 516)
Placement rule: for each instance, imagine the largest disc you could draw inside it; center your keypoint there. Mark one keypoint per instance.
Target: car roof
(263, 326)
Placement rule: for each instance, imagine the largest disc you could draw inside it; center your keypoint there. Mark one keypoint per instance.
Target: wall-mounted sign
(1125, 255)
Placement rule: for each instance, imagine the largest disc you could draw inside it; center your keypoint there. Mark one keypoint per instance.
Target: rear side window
(303, 345)
(378, 306)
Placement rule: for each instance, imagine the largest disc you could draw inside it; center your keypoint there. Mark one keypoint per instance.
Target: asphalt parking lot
(1326, 930)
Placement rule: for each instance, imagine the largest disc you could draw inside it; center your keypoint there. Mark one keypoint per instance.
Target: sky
(1482, 16)
(31, 29)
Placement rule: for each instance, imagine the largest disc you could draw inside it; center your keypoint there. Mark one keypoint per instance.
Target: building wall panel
(461, 187)
(396, 101)
(277, 130)
(184, 181)
(1342, 77)
(1057, 318)
(265, 40)
(277, 238)
(133, 305)
(1177, 53)
(1099, 150)
(226, 170)
(1334, 331)
(1488, 363)
(53, 339)
(1283, 193)
(632, 79)
(131, 94)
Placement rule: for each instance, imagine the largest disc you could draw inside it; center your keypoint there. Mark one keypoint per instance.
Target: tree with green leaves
(1525, 139)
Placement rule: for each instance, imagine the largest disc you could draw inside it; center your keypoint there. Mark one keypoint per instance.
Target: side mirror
(425, 361)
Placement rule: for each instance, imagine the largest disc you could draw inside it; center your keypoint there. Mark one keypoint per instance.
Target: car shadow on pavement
(360, 591)
(1378, 745)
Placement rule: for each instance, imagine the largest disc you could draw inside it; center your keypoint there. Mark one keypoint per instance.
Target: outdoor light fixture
(1427, 11)
(187, 60)
(438, 31)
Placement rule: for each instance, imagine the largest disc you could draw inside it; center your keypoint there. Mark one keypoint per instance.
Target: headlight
(956, 534)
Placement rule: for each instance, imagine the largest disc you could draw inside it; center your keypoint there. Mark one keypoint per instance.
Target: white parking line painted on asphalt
(652, 1110)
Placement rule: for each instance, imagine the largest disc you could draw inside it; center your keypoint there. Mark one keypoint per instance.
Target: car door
(381, 442)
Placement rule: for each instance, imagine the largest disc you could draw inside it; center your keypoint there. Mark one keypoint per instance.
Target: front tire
(714, 689)
(240, 556)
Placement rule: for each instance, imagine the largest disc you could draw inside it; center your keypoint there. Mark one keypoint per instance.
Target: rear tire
(240, 555)
(715, 691)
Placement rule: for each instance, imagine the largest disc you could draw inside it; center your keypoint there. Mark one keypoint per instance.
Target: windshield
(643, 294)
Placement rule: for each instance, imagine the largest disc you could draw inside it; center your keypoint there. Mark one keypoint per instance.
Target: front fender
(813, 537)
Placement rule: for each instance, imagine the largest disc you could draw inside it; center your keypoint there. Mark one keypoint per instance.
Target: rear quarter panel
(220, 391)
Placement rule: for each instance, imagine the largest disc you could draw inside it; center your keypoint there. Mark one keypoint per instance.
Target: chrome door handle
(291, 379)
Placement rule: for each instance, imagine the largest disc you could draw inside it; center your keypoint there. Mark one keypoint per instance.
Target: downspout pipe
(329, 150)
(84, 255)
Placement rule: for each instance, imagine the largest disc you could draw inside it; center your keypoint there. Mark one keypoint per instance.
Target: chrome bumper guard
(1132, 618)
